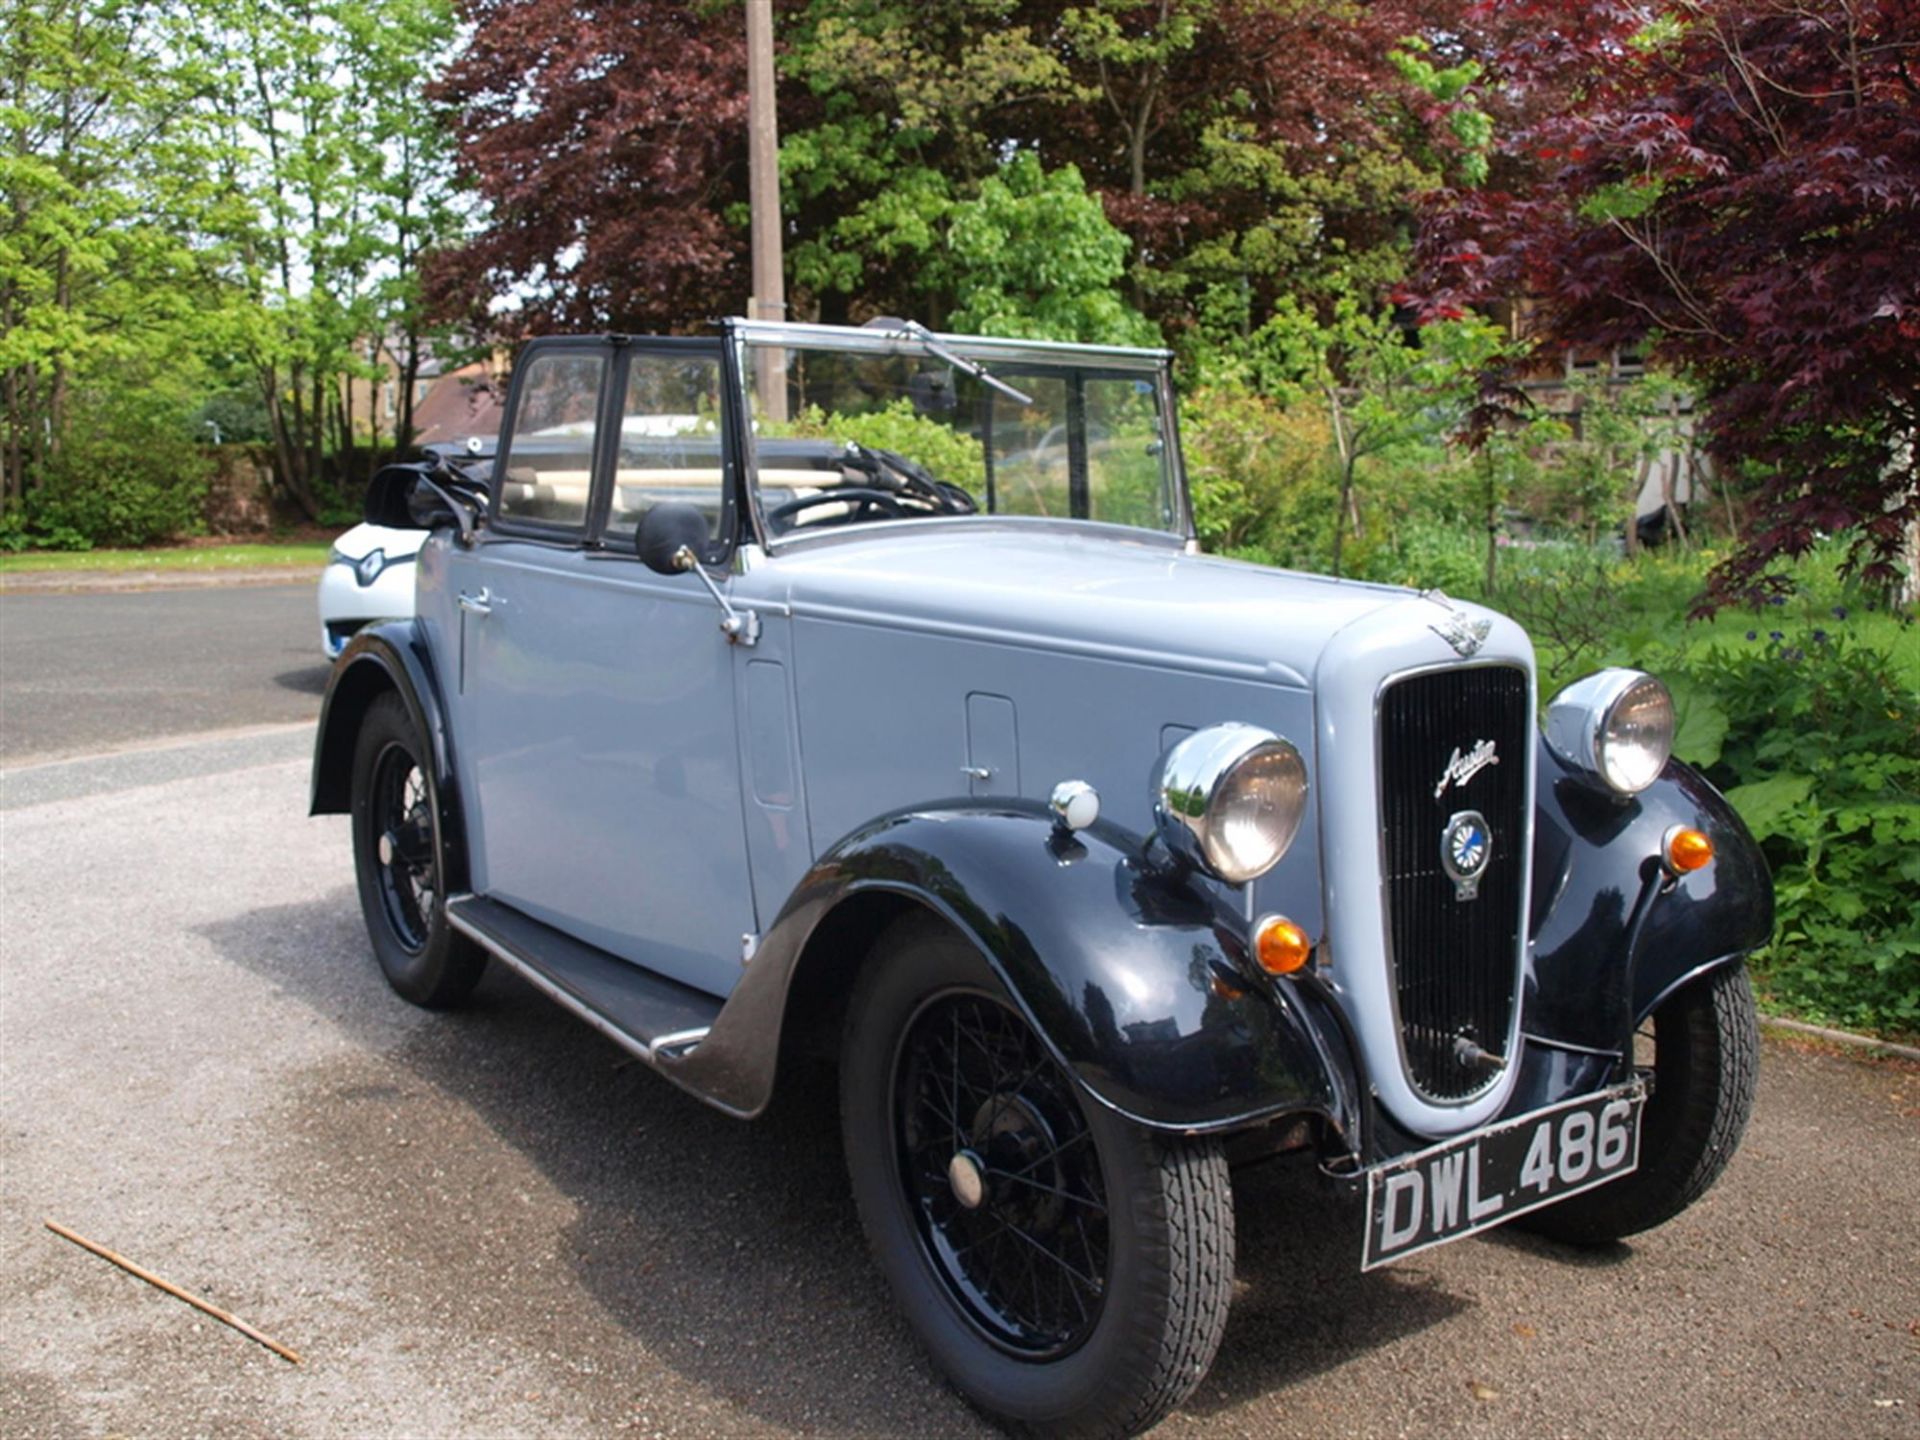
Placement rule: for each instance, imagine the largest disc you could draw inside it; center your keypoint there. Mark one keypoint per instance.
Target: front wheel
(1704, 1064)
(1066, 1269)
(398, 860)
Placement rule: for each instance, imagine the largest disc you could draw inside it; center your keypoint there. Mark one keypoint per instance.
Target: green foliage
(938, 448)
(18, 532)
(905, 145)
(1392, 402)
(1422, 553)
(241, 189)
(1034, 255)
(1019, 250)
(129, 474)
(1820, 754)
(1261, 484)
(1451, 85)
(234, 417)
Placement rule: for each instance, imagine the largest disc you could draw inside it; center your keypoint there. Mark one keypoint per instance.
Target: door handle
(481, 604)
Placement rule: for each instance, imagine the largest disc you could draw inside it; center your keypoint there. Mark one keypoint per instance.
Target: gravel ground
(488, 1223)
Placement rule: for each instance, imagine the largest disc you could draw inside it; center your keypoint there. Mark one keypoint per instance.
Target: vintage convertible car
(864, 689)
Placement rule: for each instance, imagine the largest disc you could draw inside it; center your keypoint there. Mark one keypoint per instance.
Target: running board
(654, 1017)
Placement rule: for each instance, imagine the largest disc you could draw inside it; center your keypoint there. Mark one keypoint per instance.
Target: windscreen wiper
(915, 331)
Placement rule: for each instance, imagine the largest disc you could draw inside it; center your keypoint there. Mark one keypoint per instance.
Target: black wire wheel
(1066, 1269)
(1699, 1053)
(399, 862)
(1002, 1176)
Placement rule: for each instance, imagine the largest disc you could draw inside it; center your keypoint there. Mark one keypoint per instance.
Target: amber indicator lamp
(1686, 850)
(1281, 946)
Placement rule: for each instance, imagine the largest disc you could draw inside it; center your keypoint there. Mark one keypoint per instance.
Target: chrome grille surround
(1357, 668)
(1453, 950)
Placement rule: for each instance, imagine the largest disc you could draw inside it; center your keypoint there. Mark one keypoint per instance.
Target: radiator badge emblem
(1466, 764)
(1465, 848)
(1460, 630)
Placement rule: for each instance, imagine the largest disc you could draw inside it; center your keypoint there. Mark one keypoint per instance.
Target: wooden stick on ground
(154, 1280)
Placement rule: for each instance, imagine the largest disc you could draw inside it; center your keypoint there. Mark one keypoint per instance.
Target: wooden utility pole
(769, 299)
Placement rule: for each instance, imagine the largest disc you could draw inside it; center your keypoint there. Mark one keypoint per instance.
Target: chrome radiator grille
(1454, 958)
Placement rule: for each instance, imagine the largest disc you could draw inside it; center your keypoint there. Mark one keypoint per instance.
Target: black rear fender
(388, 658)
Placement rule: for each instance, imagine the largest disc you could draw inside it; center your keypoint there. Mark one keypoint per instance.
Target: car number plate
(1475, 1181)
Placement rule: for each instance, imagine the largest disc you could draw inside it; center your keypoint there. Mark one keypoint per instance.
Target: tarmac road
(488, 1223)
(84, 672)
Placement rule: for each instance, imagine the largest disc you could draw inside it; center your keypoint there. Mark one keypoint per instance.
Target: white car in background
(369, 574)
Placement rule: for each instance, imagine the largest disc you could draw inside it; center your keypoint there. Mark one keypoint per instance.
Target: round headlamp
(1229, 799)
(1614, 728)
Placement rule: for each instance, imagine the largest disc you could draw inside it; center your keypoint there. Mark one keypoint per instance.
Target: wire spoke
(1053, 1154)
(1020, 1178)
(1092, 1284)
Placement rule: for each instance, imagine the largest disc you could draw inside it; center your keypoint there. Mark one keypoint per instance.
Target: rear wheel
(398, 860)
(1066, 1269)
(1701, 1052)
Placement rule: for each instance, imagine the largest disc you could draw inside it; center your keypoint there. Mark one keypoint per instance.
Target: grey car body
(694, 806)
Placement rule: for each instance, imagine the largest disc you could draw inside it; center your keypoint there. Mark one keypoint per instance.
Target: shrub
(946, 452)
(1423, 554)
(127, 473)
(1821, 756)
(1261, 484)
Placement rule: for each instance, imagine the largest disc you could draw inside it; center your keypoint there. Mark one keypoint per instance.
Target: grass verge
(176, 557)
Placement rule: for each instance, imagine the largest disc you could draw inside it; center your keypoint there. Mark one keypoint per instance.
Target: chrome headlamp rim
(1580, 723)
(1194, 775)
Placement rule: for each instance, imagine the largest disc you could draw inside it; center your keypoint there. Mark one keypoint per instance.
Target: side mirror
(404, 497)
(671, 537)
(390, 497)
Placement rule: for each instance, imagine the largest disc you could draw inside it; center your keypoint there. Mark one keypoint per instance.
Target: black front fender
(1134, 978)
(1605, 915)
(391, 656)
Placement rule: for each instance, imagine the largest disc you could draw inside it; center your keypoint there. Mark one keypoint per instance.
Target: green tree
(336, 179)
(1033, 254)
(1253, 150)
(905, 114)
(1384, 389)
(97, 179)
(191, 188)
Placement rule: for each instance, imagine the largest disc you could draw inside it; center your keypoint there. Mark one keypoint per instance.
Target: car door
(599, 747)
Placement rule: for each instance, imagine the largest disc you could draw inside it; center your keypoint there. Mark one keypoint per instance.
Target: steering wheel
(859, 496)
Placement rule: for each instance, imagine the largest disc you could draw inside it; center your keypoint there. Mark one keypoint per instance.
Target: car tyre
(399, 861)
(1067, 1270)
(1705, 1065)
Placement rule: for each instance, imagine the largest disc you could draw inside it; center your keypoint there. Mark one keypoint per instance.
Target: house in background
(463, 402)
(447, 403)
(1667, 474)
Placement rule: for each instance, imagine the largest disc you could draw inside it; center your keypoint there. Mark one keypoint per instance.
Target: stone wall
(240, 496)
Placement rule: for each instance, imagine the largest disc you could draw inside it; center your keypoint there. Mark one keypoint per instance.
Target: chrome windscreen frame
(743, 335)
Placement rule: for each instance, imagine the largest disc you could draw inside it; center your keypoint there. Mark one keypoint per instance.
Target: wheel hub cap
(969, 1185)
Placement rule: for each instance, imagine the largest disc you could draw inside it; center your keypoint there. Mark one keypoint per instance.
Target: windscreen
(843, 437)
